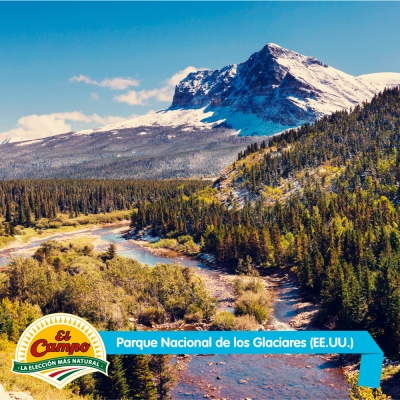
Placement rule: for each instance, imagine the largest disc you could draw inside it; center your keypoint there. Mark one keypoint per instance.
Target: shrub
(245, 267)
(164, 243)
(245, 323)
(84, 221)
(42, 223)
(69, 222)
(255, 304)
(189, 247)
(241, 285)
(19, 230)
(196, 316)
(55, 224)
(151, 315)
(224, 321)
(184, 239)
(70, 277)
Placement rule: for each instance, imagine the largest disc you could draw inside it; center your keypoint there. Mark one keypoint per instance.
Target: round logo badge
(59, 348)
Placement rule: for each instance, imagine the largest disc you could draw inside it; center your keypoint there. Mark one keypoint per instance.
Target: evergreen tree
(139, 377)
(111, 252)
(113, 386)
(162, 370)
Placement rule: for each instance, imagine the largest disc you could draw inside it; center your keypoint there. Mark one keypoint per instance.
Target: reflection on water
(240, 376)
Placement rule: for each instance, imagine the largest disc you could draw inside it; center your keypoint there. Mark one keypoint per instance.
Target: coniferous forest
(323, 200)
(24, 202)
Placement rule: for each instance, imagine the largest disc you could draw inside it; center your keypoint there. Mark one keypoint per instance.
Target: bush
(84, 221)
(42, 223)
(241, 285)
(71, 278)
(224, 321)
(196, 316)
(55, 224)
(164, 243)
(184, 239)
(245, 323)
(255, 304)
(151, 315)
(69, 222)
(189, 247)
(19, 230)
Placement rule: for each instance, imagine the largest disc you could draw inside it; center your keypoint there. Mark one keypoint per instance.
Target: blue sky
(77, 65)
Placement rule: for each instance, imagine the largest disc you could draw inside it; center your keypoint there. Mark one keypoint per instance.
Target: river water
(233, 376)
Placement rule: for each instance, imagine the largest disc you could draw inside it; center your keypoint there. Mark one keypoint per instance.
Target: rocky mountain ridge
(279, 87)
(213, 116)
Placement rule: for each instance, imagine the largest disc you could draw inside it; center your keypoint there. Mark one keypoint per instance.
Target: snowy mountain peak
(274, 89)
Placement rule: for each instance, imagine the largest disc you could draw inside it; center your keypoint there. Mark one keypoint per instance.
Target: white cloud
(139, 98)
(163, 94)
(40, 126)
(95, 96)
(176, 78)
(113, 83)
(119, 83)
(83, 78)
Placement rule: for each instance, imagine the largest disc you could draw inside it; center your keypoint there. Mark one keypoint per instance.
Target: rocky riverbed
(263, 376)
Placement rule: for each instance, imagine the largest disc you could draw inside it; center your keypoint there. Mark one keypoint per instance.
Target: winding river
(231, 376)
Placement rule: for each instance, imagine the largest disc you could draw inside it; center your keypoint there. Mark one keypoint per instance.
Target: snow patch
(384, 79)
(170, 118)
(25, 143)
(14, 140)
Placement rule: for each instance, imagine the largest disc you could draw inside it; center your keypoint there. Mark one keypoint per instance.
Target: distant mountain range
(209, 121)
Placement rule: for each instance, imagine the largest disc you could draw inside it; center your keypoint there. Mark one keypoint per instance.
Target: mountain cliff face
(277, 86)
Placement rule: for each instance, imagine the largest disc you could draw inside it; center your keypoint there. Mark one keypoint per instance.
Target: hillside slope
(322, 200)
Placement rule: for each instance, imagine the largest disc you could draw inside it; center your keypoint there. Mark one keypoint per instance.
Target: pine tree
(139, 377)
(162, 370)
(111, 252)
(113, 386)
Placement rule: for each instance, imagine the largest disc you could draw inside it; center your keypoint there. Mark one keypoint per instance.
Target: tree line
(24, 202)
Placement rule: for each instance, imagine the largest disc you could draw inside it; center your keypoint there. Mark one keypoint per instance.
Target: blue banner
(250, 342)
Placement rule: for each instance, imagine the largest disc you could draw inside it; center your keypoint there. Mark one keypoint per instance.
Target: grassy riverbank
(182, 244)
(61, 225)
